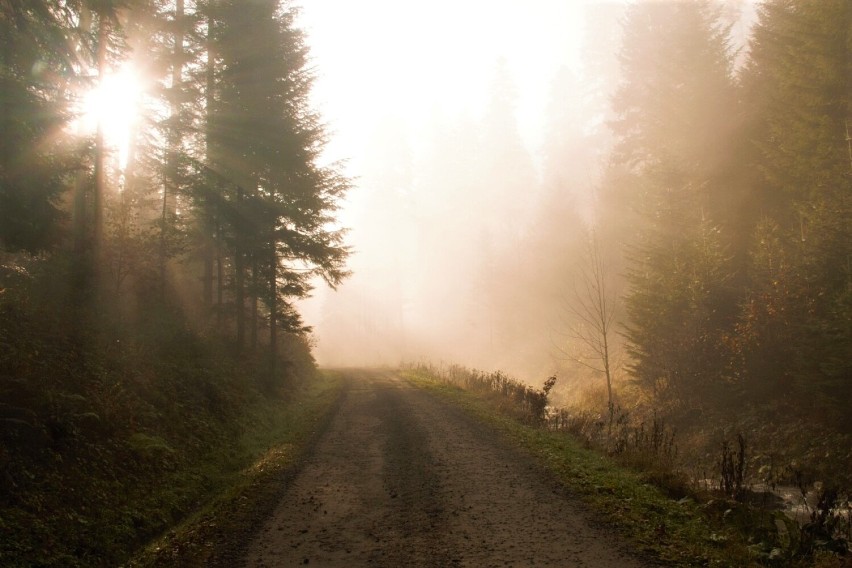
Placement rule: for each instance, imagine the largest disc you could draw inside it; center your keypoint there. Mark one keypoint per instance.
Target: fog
(476, 134)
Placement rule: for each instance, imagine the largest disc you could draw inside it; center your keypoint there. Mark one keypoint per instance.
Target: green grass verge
(673, 532)
(275, 438)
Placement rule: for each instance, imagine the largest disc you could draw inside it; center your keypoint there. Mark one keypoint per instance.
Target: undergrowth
(522, 401)
(113, 429)
(274, 444)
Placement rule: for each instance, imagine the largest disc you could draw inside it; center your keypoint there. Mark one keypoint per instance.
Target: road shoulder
(658, 528)
(219, 532)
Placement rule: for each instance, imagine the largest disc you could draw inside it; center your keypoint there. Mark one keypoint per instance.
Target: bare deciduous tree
(589, 316)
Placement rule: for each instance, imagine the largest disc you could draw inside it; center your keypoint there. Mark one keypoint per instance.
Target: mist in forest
(627, 220)
(477, 137)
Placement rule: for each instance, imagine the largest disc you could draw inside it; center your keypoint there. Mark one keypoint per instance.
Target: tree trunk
(273, 312)
(239, 281)
(100, 157)
(170, 189)
(254, 286)
(220, 277)
(212, 238)
(170, 179)
(240, 297)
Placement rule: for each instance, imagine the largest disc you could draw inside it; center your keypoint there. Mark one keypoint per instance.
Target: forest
(734, 191)
(156, 227)
(678, 251)
(679, 243)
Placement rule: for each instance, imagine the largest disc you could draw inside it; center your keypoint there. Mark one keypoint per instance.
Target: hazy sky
(381, 60)
(377, 58)
(386, 62)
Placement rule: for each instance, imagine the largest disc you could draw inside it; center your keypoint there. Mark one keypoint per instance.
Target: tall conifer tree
(798, 85)
(267, 143)
(672, 110)
(37, 60)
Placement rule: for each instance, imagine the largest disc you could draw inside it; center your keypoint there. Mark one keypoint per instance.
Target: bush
(515, 397)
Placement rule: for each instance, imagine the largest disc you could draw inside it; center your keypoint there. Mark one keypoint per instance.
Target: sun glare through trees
(643, 205)
(114, 103)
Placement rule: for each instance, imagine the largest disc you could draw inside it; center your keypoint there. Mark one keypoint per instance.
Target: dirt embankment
(402, 479)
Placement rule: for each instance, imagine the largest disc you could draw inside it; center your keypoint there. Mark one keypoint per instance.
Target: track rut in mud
(403, 479)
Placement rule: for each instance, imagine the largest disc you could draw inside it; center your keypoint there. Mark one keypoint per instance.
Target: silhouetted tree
(37, 62)
(266, 142)
(589, 316)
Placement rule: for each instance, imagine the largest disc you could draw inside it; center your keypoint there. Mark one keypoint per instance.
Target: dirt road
(403, 479)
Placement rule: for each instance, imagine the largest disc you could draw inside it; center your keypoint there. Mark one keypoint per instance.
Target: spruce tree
(673, 111)
(37, 62)
(797, 85)
(278, 201)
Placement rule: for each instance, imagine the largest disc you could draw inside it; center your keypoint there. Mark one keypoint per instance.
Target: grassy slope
(119, 418)
(677, 533)
(274, 442)
(111, 436)
(217, 493)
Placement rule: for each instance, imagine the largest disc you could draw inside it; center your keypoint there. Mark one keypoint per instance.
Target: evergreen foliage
(797, 86)
(36, 69)
(739, 275)
(276, 202)
(229, 170)
(672, 109)
(120, 376)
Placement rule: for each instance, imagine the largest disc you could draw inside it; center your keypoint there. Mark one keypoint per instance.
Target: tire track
(402, 479)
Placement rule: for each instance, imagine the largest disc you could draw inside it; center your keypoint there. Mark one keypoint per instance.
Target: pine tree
(798, 84)
(673, 113)
(37, 62)
(266, 143)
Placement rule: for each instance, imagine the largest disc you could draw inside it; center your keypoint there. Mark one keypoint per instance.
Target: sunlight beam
(114, 104)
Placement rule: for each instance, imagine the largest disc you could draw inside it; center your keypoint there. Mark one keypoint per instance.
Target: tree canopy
(219, 177)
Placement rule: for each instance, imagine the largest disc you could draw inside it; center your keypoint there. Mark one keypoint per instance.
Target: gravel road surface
(403, 479)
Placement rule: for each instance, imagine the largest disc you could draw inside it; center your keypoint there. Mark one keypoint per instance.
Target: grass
(112, 451)
(272, 446)
(117, 424)
(675, 532)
